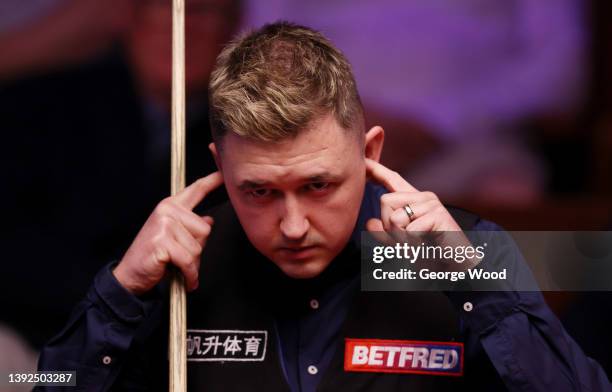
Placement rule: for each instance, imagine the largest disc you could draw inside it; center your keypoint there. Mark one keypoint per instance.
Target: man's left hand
(429, 213)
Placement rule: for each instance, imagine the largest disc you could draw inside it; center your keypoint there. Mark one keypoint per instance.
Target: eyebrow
(248, 185)
(253, 184)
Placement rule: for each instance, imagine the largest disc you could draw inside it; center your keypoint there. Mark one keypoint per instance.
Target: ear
(213, 149)
(374, 140)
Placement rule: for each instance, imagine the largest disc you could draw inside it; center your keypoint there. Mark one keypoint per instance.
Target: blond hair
(272, 83)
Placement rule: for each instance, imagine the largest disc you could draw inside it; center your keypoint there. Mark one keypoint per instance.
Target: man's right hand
(172, 234)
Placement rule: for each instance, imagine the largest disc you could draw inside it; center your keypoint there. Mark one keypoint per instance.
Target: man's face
(297, 200)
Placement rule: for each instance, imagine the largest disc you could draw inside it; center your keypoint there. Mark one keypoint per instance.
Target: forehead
(323, 148)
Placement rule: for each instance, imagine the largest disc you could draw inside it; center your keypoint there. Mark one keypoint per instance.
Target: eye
(259, 193)
(318, 186)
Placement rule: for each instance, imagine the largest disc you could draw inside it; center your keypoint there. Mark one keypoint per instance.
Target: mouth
(300, 252)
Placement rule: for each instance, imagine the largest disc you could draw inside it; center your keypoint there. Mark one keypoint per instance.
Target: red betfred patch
(403, 356)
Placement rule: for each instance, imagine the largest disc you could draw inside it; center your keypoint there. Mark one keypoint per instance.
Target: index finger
(387, 177)
(192, 195)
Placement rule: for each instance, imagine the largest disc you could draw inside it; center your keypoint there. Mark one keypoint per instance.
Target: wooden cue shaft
(178, 310)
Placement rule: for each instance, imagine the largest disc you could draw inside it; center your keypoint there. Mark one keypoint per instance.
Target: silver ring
(409, 212)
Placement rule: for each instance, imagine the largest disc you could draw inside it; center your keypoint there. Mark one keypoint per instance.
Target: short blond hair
(273, 82)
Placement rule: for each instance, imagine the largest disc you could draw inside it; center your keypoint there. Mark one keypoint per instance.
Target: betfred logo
(403, 356)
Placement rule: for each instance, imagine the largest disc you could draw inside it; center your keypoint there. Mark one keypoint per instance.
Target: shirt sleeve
(524, 340)
(102, 331)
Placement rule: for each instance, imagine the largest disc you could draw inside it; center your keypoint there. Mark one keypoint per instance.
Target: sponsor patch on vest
(403, 356)
(226, 345)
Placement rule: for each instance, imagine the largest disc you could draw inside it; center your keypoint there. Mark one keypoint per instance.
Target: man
(275, 304)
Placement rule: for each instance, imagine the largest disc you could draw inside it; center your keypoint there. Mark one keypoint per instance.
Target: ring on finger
(409, 212)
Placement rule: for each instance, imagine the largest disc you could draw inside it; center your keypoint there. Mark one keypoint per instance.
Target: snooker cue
(177, 338)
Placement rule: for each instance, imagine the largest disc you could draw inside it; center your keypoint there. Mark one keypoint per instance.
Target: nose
(294, 225)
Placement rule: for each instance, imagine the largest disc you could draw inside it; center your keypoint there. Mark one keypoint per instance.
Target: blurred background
(502, 107)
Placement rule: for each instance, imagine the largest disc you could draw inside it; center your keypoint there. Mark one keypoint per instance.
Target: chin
(302, 269)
